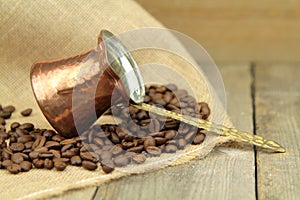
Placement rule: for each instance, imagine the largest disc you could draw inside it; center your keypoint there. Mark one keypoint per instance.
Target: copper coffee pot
(81, 86)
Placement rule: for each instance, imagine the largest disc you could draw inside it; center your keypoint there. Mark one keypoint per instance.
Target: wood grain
(239, 30)
(225, 174)
(278, 117)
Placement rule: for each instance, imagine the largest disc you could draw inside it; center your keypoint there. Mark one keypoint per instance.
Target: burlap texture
(37, 30)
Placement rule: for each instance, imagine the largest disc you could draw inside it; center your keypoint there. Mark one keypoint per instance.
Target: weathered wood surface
(277, 94)
(225, 174)
(238, 30)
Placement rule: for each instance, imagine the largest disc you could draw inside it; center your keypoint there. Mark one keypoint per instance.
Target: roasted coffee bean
(181, 143)
(28, 145)
(190, 136)
(44, 155)
(68, 154)
(9, 109)
(48, 164)
(14, 125)
(17, 158)
(139, 158)
(160, 140)
(170, 134)
(49, 133)
(76, 160)
(136, 149)
(2, 121)
(5, 115)
(26, 112)
(25, 166)
(66, 147)
(116, 150)
(60, 166)
(56, 153)
(52, 145)
(65, 160)
(17, 147)
(24, 138)
(21, 132)
(105, 155)
(89, 165)
(57, 138)
(170, 148)
(68, 141)
(157, 134)
(98, 141)
(121, 161)
(41, 149)
(149, 141)
(6, 163)
(4, 134)
(154, 126)
(88, 156)
(199, 138)
(203, 110)
(14, 168)
(2, 128)
(38, 163)
(27, 126)
(115, 138)
(33, 155)
(153, 151)
(107, 166)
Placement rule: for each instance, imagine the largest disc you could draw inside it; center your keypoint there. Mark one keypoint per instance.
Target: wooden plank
(239, 30)
(225, 174)
(278, 117)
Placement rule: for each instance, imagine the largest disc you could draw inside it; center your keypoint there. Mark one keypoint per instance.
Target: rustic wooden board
(225, 174)
(277, 117)
(239, 30)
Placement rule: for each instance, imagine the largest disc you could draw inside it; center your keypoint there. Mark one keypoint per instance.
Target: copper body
(89, 76)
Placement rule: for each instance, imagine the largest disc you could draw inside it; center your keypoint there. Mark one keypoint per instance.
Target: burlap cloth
(36, 30)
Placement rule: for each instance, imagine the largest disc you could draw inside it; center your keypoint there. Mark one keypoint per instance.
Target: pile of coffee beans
(140, 135)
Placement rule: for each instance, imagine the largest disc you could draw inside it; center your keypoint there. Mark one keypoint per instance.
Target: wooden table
(262, 98)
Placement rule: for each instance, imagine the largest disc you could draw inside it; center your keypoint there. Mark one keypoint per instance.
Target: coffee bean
(149, 141)
(160, 140)
(139, 158)
(76, 160)
(17, 147)
(204, 110)
(68, 154)
(49, 134)
(68, 141)
(38, 163)
(60, 166)
(14, 168)
(116, 150)
(48, 164)
(105, 155)
(170, 134)
(57, 138)
(199, 138)
(2, 121)
(153, 151)
(26, 112)
(4, 135)
(88, 156)
(107, 166)
(25, 138)
(14, 125)
(28, 145)
(52, 145)
(121, 161)
(157, 134)
(89, 165)
(98, 141)
(170, 148)
(44, 155)
(115, 138)
(27, 126)
(9, 109)
(33, 155)
(181, 143)
(56, 153)
(65, 160)
(154, 126)
(5, 115)
(25, 166)
(136, 149)
(17, 158)
(6, 163)
(41, 149)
